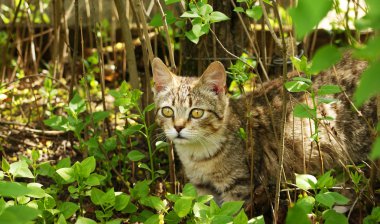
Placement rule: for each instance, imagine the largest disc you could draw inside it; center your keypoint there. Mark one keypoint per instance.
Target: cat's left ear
(215, 77)
(162, 76)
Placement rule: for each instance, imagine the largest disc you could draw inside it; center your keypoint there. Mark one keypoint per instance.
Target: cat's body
(204, 125)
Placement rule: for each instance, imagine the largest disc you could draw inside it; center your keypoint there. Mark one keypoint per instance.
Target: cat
(203, 122)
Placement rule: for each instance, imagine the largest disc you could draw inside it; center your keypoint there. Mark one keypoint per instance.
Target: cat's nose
(178, 128)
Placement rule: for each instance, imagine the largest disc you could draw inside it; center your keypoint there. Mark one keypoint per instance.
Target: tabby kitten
(203, 123)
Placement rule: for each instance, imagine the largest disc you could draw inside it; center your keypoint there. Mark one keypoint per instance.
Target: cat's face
(188, 109)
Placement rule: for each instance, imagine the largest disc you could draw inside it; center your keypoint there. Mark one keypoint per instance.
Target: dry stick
(145, 45)
(74, 79)
(253, 46)
(127, 36)
(31, 76)
(266, 18)
(168, 41)
(139, 5)
(259, 78)
(99, 44)
(57, 37)
(284, 112)
(9, 37)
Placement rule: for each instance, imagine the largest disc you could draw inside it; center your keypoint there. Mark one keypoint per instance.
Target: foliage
(113, 174)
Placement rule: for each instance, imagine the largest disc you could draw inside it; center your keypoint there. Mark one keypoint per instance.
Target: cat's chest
(201, 164)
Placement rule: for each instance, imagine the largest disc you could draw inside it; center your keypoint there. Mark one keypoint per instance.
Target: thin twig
(168, 41)
(127, 36)
(266, 18)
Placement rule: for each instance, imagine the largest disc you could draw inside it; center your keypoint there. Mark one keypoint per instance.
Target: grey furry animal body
(203, 123)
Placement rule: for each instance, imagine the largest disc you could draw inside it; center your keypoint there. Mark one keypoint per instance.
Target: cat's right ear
(162, 76)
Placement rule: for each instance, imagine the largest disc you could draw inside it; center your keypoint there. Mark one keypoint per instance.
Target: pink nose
(178, 128)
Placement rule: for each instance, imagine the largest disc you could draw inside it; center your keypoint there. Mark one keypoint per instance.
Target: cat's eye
(196, 113)
(167, 112)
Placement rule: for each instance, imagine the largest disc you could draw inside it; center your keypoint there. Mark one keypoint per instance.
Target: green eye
(196, 113)
(167, 112)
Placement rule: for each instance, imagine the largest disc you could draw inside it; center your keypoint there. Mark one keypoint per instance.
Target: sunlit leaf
(368, 85)
(324, 58)
(307, 14)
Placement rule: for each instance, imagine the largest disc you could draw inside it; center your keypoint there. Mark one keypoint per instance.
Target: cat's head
(190, 109)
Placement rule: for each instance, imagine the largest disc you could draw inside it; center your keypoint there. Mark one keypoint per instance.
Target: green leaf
(35, 190)
(368, 85)
(157, 19)
(369, 52)
(4, 164)
(258, 219)
(67, 174)
(110, 144)
(189, 190)
(100, 115)
(371, 219)
(18, 214)
(315, 11)
(375, 152)
(255, 12)
(132, 129)
(96, 196)
(140, 190)
(305, 181)
(183, 206)
(12, 189)
(189, 14)
(296, 86)
(149, 108)
(328, 89)
(303, 111)
(217, 219)
(169, 2)
(238, 9)
(201, 210)
(83, 220)
(94, 179)
(153, 202)
(68, 209)
(217, 17)
(326, 100)
(64, 163)
(332, 217)
(87, 166)
(121, 201)
(231, 207)
(192, 37)
(241, 218)
(324, 58)
(325, 199)
(20, 169)
(339, 198)
(297, 214)
(77, 105)
(301, 64)
(214, 208)
(306, 203)
(99, 197)
(57, 123)
(205, 10)
(135, 155)
(154, 219)
(61, 220)
(172, 218)
(204, 198)
(326, 180)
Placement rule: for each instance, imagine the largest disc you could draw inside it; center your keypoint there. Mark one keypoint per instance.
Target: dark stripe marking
(216, 115)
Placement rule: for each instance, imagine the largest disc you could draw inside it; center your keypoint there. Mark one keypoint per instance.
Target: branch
(127, 36)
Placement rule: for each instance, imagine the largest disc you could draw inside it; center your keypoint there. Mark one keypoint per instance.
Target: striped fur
(215, 157)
